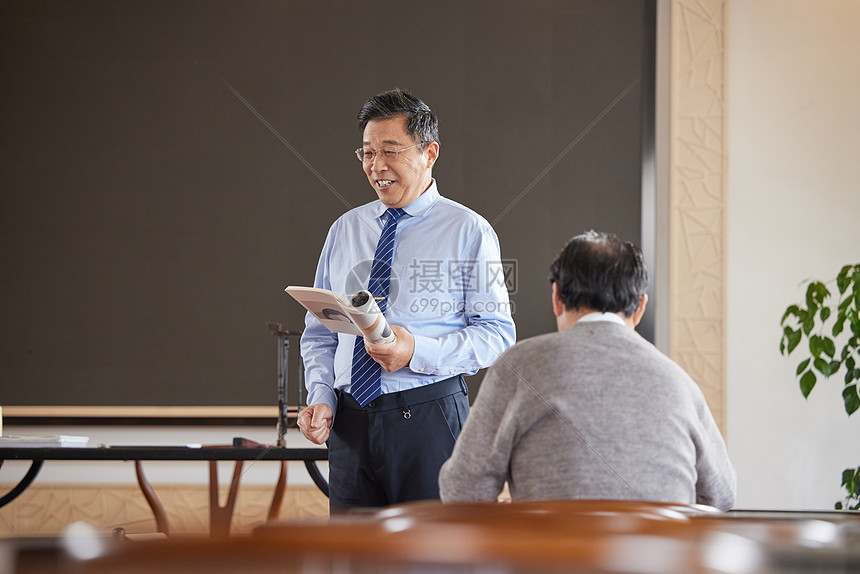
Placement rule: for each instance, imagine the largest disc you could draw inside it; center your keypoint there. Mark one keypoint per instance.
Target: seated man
(594, 411)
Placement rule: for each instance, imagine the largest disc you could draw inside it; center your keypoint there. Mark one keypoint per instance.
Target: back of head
(599, 271)
(421, 123)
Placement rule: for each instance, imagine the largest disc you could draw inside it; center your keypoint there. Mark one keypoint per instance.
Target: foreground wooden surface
(552, 536)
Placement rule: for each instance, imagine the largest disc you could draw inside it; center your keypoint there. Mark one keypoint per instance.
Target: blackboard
(168, 167)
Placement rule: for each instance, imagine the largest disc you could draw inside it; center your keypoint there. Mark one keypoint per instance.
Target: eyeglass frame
(359, 153)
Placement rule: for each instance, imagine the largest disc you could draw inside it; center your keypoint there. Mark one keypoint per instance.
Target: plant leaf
(802, 367)
(822, 366)
(843, 279)
(791, 310)
(851, 398)
(810, 297)
(808, 323)
(807, 382)
(815, 346)
(786, 331)
(838, 326)
(794, 340)
(821, 292)
(828, 346)
(825, 313)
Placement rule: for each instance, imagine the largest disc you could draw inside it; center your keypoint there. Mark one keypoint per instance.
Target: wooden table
(533, 537)
(219, 516)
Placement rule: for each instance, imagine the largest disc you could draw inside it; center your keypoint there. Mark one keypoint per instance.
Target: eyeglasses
(367, 156)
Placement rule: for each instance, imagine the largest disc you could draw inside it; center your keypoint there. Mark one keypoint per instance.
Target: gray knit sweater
(594, 411)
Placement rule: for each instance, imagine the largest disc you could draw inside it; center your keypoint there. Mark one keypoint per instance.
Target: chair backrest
(590, 534)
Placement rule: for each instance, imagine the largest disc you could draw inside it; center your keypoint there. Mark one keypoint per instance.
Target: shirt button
(371, 404)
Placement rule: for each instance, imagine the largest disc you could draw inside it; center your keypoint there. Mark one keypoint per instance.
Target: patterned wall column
(697, 195)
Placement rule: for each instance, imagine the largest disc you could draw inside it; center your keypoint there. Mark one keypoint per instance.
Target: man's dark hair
(421, 123)
(600, 271)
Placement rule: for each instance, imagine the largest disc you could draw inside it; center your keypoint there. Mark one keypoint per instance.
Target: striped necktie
(367, 373)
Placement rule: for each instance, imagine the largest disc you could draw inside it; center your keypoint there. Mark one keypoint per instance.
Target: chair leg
(161, 524)
(278, 495)
(220, 516)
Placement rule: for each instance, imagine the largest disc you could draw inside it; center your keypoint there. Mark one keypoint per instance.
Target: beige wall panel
(697, 190)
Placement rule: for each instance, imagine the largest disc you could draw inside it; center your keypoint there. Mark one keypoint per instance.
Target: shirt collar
(419, 205)
(596, 316)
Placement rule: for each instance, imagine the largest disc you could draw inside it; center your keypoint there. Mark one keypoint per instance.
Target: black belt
(402, 399)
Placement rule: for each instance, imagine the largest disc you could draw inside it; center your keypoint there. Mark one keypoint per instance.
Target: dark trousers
(391, 450)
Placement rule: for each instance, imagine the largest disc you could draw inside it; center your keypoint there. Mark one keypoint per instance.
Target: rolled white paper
(370, 319)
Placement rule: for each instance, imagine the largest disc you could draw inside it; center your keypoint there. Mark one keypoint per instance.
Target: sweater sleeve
(480, 463)
(716, 483)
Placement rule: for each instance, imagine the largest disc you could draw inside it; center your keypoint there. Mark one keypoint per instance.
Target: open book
(358, 315)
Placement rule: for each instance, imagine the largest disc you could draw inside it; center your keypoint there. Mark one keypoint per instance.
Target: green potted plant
(825, 328)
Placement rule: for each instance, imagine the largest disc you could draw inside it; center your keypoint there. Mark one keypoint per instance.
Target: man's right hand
(315, 422)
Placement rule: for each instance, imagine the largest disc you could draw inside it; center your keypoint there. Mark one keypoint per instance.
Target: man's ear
(557, 303)
(432, 150)
(640, 310)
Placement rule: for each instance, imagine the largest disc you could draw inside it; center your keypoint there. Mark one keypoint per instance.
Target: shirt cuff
(323, 394)
(425, 355)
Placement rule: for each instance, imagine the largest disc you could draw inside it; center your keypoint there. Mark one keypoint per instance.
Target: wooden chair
(546, 534)
(542, 536)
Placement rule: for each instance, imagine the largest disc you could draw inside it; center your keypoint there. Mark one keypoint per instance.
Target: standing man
(595, 410)
(391, 412)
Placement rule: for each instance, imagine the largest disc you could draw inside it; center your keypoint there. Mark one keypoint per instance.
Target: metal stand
(283, 367)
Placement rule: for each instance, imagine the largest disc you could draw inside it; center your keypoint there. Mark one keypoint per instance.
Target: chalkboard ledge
(142, 415)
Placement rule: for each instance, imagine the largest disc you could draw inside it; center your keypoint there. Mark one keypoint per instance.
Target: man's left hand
(396, 355)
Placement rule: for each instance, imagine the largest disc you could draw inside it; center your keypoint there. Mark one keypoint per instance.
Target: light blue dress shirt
(447, 289)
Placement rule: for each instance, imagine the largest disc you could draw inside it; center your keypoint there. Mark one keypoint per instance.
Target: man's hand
(396, 355)
(315, 422)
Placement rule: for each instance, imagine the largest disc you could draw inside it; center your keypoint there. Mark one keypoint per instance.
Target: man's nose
(378, 160)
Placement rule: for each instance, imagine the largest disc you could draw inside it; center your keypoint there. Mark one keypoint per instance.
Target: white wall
(793, 213)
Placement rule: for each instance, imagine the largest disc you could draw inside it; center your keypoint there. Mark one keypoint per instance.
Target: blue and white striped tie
(367, 373)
